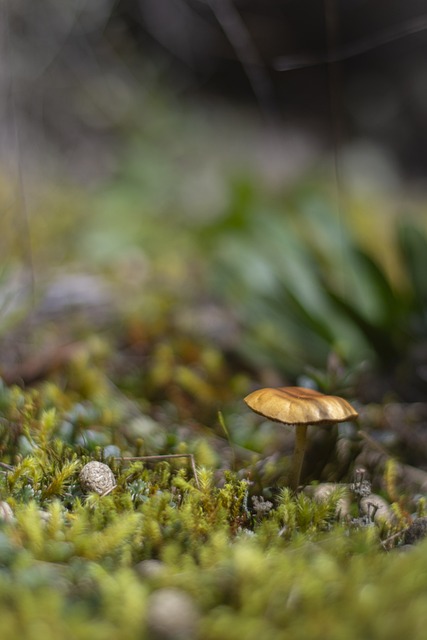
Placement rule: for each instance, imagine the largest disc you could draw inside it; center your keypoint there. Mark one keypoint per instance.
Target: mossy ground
(149, 359)
(76, 565)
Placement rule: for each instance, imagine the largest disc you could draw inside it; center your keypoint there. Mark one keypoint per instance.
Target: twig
(340, 54)
(240, 39)
(392, 537)
(165, 457)
(8, 467)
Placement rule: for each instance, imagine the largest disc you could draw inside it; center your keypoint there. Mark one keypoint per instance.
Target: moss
(73, 570)
(250, 560)
(68, 560)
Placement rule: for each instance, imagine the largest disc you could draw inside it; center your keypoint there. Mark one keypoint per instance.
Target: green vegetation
(147, 328)
(78, 566)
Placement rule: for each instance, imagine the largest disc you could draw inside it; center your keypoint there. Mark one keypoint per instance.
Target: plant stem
(298, 456)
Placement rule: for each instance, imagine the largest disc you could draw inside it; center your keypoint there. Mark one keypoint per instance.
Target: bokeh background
(257, 168)
(77, 77)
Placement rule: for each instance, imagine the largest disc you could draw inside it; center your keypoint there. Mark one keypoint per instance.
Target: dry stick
(346, 52)
(8, 467)
(392, 537)
(165, 457)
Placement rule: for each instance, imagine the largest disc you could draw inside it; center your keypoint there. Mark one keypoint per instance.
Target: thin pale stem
(298, 456)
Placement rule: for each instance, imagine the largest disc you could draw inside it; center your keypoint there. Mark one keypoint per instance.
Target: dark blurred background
(255, 155)
(380, 49)
(74, 75)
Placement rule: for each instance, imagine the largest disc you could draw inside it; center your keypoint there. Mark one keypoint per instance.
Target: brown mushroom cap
(298, 405)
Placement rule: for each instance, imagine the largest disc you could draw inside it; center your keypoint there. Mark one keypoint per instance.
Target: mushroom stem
(298, 456)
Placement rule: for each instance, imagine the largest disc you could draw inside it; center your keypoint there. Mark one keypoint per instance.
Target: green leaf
(375, 283)
(412, 243)
(380, 341)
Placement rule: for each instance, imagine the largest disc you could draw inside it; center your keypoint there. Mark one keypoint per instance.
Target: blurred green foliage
(182, 226)
(304, 285)
(296, 279)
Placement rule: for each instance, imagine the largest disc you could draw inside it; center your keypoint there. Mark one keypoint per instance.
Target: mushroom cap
(298, 405)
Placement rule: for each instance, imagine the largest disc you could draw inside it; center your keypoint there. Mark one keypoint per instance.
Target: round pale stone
(98, 477)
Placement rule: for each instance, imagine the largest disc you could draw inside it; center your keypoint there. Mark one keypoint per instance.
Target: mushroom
(300, 407)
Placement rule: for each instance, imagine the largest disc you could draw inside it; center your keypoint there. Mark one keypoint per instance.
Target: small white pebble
(6, 513)
(98, 477)
(171, 615)
(376, 507)
(322, 492)
(150, 568)
(45, 516)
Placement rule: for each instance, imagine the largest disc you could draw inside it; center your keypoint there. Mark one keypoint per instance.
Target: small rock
(322, 492)
(6, 513)
(76, 291)
(416, 531)
(98, 477)
(377, 509)
(171, 615)
(404, 548)
(149, 568)
(45, 516)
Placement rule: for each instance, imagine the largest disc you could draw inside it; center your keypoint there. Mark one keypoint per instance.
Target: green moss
(296, 572)
(254, 559)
